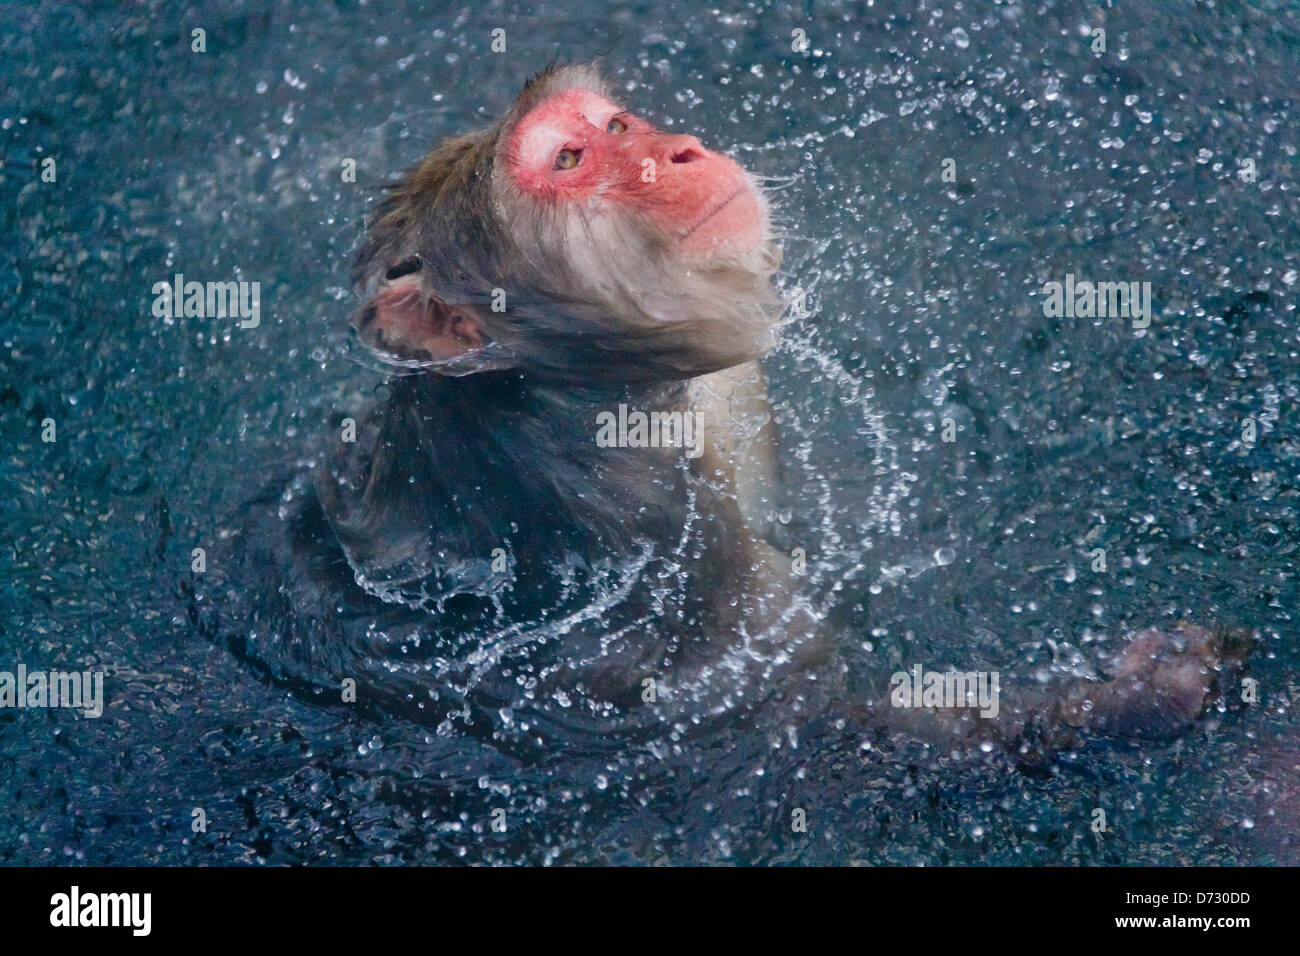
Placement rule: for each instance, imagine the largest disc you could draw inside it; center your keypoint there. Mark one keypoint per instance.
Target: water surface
(925, 303)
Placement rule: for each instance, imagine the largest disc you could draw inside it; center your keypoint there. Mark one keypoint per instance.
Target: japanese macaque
(572, 262)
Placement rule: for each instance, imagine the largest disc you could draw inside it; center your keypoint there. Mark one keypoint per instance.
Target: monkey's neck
(451, 469)
(577, 450)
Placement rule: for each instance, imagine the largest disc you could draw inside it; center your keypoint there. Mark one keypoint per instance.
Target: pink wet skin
(698, 197)
(1161, 681)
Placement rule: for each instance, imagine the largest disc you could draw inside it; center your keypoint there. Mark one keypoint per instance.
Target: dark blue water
(925, 303)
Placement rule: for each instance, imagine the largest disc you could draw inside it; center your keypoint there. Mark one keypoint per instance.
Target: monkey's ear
(406, 326)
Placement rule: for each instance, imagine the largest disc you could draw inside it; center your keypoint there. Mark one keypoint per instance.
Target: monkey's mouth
(713, 212)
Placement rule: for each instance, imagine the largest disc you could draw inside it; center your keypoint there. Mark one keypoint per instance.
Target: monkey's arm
(1161, 682)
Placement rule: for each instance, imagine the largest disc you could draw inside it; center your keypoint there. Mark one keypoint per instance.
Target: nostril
(687, 155)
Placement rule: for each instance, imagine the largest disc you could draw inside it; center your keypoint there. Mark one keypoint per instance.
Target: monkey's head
(575, 240)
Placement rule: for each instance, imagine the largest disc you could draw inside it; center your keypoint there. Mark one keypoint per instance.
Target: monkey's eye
(568, 158)
(616, 125)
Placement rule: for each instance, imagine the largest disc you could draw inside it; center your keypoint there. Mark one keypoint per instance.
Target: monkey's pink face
(578, 147)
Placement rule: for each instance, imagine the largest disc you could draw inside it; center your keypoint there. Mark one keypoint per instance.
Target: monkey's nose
(685, 149)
